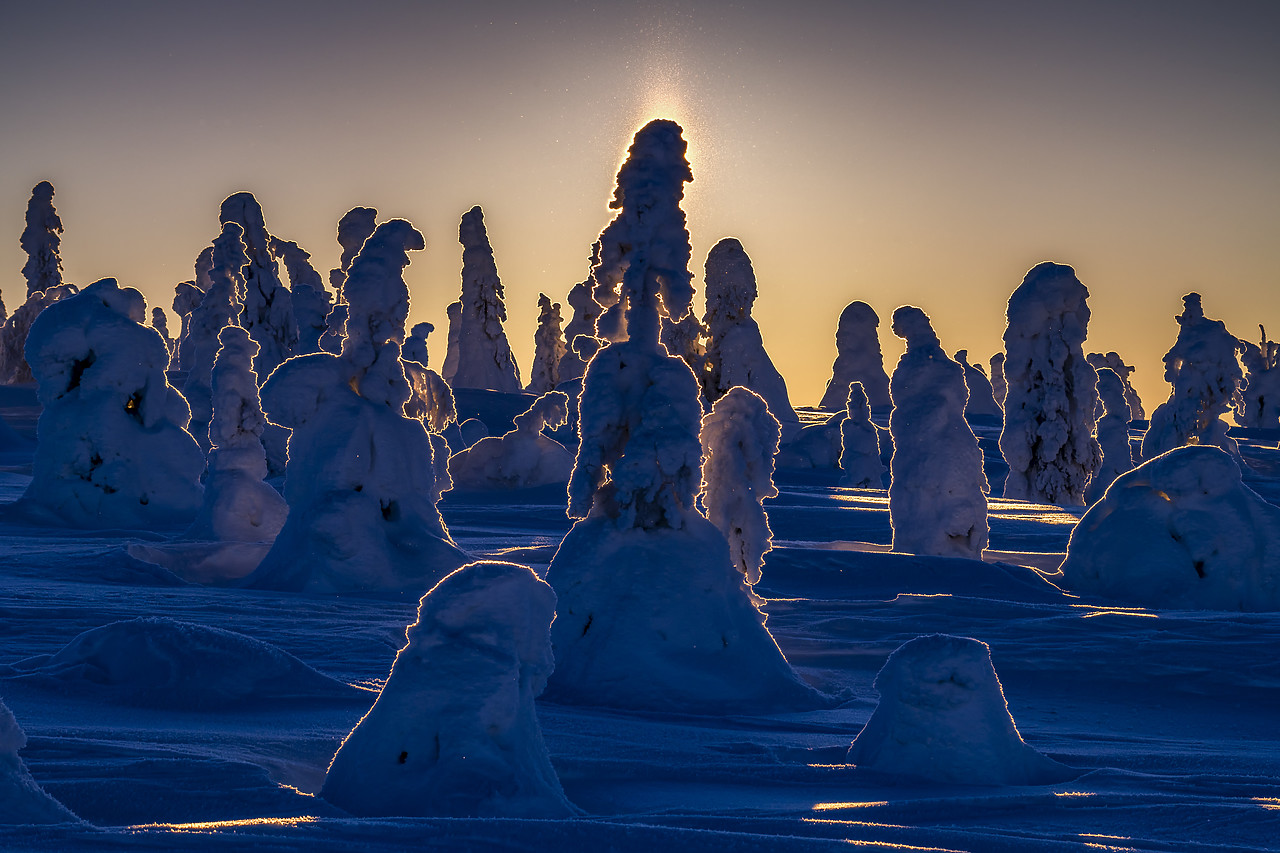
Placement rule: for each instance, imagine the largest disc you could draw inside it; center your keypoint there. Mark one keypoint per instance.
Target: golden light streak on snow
(1074, 794)
(1118, 613)
(822, 807)
(1097, 846)
(204, 826)
(889, 845)
(829, 821)
(1271, 803)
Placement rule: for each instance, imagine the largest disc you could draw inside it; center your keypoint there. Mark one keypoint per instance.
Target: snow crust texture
(858, 358)
(942, 716)
(22, 801)
(1179, 531)
(454, 731)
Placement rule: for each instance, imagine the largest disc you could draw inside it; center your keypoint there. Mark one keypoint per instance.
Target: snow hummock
(858, 359)
(739, 441)
(1049, 415)
(454, 731)
(982, 398)
(40, 240)
(480, 356)
(1203, 368)
(519, 459)
(943, 717)
(937, 491)
(113, 447)
(267, 309)
(1179, 531)
(22, 801)
(735, 349)
(1113, 434)
(548, 348)
(363, 477)
(860, 443)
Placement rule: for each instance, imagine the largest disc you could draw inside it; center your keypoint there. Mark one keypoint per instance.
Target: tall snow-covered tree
(1261, 394)
(1115, 363)
(355, 226)
(585, 313)
(267, 308)
(1052, 394)
(220, 307)
(311, 300)
(858, 359)
(859, 443)
(484, 358)
(13, 338)
(1113, 435)
(982, 398)
(999, 388)
(548, 348)
(41, 242)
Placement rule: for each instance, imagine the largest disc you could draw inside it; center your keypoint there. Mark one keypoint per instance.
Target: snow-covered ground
(160, 735)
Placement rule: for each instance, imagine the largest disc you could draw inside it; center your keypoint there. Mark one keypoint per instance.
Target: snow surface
(22, 801)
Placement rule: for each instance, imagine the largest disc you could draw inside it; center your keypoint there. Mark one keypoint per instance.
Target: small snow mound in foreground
(22, 801)
(1181, 531)
(454, 731)
(943, 717)
(159, 662)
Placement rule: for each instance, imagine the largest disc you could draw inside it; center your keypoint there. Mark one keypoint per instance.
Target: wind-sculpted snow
(942, 716)
(22, 801)
(40, 240)
(938, 491)
(1113, 434)
(454, 731)
(113, 447)
(858, 358)
(157, 662)
(859, 443)
(1049, 417)
(1180, 531)
(522, 458)
(480, 355)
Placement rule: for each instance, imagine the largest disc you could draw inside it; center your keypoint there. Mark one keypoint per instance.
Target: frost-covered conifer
(1113, 434)
(1113, 362)
(585, 313)
(219, 307)
(238, 506)
(267, 310)
(415, 345)
(739, 440)
(453, 313)
(41, 242)
(519, 459)
(859, 443)
(13, 364)
(454, 731)
(735, 349)
(938, 491)
(858, 359)
(686, 338)
(999, 389)
(355, 226)
(432, 401)
(1049, 419)
(160, 322)
(982, 398)
(311, 301)
(548, 348)
(113, 446)
(363, 478)
(484, 358)
(652, 612)
(1261, 395)
(1203, 368)
(22, 801)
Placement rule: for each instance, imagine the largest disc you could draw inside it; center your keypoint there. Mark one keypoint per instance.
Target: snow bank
(937, 491)
(483, 356)
(455, 731)
(519, 459)
(157, 662)
(40, 240)
(860, 443)
(22, 801)
(1179, 531)
(942, 716)
(1113, 434)
(113, 447)
(1049, 418)
(858, 358)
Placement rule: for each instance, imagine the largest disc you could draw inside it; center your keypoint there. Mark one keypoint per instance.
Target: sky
(910, 152)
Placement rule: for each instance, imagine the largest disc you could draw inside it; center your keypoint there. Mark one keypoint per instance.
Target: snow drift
(22, 801)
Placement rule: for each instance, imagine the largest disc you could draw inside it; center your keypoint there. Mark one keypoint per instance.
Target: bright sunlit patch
(822, 807)
(1074, 794)
(1096, 846)
(889, 845)
(206, 826)
(1271, 803)
(1100, 835)
(1117, 613)
(830, 822)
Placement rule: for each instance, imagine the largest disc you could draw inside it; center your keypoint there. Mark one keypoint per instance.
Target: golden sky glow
(917, 152)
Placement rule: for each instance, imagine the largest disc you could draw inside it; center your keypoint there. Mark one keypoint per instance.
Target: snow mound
(1180, 531)
(519, 459)
(943, 717)
(154, 661)
(22, 801)
(454, 731)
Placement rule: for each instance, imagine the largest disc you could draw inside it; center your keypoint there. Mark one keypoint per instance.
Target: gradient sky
(899, 152)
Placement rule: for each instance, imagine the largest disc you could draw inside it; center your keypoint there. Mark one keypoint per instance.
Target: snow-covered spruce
(267, 305)
(484, 358)
(355, 226)
(1113, 434)
(432, 399)
(1261, 395)
(652, 612)
(40, 240)
(735, 349)
(453, 314)
(938, 491)
(858, 359)
(415, 345)
(519, 459)
(548, 348)
(982, 397)
(160, 322)
(454, 731)
(1204, 370)
(113, 447)
(943, 717)
(585, 312)
(1049, 416)
(312, 302)
(186, 299)
(219, 307)
(739, 440)
(22, 801)
(1179, 531)
(363, 478)
(238, 506)
(999, 389)
(13, 337)
(859, 443)
(1116, 364)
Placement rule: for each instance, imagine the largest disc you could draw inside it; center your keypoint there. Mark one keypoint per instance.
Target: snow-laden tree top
(731, 284)
(355, 226)
(858, 358)
(268, 306)
(40, 241)
(376, 291)
(913, 325)
(646, 247)
(297, 263)
(484, 358)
